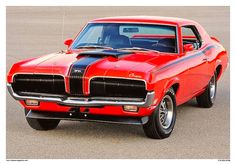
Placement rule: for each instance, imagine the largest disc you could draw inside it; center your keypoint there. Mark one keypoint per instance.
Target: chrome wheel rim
(212, 88)
(166, 112)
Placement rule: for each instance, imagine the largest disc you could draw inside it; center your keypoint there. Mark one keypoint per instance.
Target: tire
(161, 122)
(207, 98)
(42, 124)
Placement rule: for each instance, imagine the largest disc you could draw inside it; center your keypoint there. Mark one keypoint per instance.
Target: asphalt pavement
(199, 133)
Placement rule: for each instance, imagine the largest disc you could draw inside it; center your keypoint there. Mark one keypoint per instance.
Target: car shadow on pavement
(108, 130)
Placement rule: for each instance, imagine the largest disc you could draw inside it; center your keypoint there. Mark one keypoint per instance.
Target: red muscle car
(128, 70)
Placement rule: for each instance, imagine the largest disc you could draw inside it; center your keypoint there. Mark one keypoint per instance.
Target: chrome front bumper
(80, 101)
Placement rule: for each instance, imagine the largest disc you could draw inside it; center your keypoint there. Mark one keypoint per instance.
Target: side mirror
(188, 47)
(68, 42)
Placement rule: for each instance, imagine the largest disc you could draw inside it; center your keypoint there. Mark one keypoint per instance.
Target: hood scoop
(102, 53)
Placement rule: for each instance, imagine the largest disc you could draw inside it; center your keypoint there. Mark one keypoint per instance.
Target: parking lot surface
(198, 133)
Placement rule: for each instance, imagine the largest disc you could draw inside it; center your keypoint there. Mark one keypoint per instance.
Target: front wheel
(206, 99)
(162, 120)
(42, 124)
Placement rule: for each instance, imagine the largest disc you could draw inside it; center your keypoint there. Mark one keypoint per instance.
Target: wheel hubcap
(166, 112)
(212, 88)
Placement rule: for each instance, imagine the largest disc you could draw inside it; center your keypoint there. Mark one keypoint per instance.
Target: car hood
(112, 63)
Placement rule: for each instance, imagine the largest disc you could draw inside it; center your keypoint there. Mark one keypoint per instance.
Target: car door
(196, 60)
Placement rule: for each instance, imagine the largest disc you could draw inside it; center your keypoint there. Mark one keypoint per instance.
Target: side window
(190, 35)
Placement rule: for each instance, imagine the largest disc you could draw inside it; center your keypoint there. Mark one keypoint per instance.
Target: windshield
(160, 38)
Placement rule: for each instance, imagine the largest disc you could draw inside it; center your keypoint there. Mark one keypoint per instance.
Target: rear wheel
(41, 124)
(162, 120)
(207, 98)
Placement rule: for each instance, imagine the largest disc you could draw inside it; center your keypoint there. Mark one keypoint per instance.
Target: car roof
(146, 19)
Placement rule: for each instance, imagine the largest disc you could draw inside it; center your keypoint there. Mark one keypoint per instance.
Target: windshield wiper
(94, 47)
(138, 48)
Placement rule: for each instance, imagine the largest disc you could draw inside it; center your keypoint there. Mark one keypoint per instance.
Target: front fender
(170, 83)
(161, 87)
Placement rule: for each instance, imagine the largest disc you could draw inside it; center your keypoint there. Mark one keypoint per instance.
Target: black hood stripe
(77, 71)
(87, 58)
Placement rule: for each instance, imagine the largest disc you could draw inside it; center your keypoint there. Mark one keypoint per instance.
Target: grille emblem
(77, 71)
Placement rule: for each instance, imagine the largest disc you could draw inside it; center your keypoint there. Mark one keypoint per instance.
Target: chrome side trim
(75, 101)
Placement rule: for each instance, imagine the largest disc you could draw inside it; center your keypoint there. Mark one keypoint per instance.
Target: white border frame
(4, 3)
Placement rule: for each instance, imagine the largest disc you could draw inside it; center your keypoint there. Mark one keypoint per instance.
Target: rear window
(131, 30)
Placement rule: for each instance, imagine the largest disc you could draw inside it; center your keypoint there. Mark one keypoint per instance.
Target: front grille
(76, 86)
(49, 85)
(43, 84)
(115, 87)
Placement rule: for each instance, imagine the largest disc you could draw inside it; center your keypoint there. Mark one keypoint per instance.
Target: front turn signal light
(32, 102)
(130, 108)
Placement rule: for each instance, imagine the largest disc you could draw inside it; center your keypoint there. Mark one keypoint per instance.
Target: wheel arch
(172, 83)
(175, 87)
(166, 85)
(218, 71)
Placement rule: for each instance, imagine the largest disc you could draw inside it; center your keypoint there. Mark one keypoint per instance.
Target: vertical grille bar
(77, 72)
